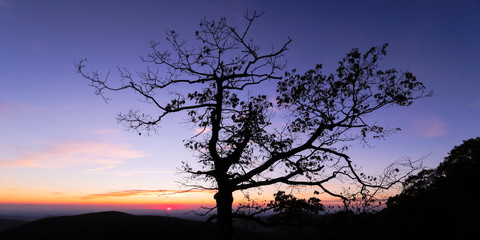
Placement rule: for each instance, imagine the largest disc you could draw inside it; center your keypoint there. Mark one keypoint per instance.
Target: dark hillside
(10, 223)
(118, 225)
(106, 225)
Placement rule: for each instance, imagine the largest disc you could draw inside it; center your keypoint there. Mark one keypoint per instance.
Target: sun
(169, 208)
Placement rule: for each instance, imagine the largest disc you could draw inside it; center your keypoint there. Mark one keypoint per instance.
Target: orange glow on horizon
(166, 200)
(130, 198)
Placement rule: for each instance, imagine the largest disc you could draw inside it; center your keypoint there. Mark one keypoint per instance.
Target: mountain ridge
(119, 225)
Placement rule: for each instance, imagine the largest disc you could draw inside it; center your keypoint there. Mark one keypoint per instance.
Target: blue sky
(60, 141)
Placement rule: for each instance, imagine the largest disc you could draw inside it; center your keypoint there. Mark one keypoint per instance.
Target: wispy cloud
(4, 3)
(124, 193)
(4, 108)
(475, 104)
(431, 127)
(132, 193)
(8, 108)
(133, 173)
(104, 155)
(202, 130)
(105, 131)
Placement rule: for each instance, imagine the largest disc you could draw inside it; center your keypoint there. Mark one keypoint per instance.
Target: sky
(61, 144)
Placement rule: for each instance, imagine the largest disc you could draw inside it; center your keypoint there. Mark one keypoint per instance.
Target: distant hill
(9, 223)
(118, 225)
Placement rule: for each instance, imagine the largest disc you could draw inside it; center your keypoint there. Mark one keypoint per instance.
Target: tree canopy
(442, 200)
(448, 183)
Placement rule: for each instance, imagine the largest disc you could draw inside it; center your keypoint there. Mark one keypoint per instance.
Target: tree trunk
(224, 200)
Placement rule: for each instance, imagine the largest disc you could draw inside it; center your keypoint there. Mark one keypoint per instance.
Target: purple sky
(59, 140)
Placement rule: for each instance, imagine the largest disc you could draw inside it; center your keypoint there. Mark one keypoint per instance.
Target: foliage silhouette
(442, 201)
(241, 144)
(291, 210)
(439, 203)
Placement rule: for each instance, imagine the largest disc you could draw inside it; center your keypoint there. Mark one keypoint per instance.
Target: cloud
(9, 108)
(430, 127)
(124, 193)
(202, 130)
(475, 104)
(4, 3)
(106, 131)
(104, 155)
(133, 173)
(4, 108)
(132, 193)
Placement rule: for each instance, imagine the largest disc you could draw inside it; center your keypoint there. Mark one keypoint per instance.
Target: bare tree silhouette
(238, 147)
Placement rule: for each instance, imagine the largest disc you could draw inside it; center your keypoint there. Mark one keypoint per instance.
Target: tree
(239, 147)
(452, 178)
(443, 198)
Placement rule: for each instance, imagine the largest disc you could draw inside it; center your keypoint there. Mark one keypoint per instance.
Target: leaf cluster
(344, 99)
(290, 205)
